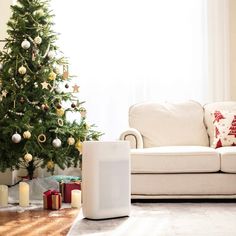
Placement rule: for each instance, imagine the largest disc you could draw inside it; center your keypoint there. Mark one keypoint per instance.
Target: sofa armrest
(134, 137)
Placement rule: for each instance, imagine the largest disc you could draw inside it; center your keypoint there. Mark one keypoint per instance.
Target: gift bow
(51, 192)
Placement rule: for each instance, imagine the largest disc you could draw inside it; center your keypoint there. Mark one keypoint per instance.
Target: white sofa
(171, 155)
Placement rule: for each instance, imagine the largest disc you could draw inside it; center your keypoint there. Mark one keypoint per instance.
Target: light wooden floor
(37, 222)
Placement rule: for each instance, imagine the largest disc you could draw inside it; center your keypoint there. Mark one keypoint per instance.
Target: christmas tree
(34, 131)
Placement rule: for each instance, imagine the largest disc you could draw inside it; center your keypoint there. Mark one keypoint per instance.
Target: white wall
(232, 15)
(5, 13)
(7, 177)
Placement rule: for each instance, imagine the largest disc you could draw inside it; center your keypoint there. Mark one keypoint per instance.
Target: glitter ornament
(71, 141)
(38, 40)
(22, 70)
(78, 146)
(26, 135)
(60, 112)
(28, 157)
(50, 165)
(52, 76)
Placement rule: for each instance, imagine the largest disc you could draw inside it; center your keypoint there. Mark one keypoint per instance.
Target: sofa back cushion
(169, 124)
(209, 110)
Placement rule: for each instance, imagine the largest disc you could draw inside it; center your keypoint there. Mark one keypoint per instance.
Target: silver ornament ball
(56, 143)
(16, 138)
(1, 66)
(25, 44)
(51, 54)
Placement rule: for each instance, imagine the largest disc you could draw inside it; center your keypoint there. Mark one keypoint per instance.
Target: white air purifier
(106, 179)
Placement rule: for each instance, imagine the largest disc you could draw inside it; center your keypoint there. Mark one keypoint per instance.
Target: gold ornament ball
(50, 165)
(22, 70)
(78, 146)
(83, 112)
(71, 141)
(60, 112)
(28, 157)
(38, 40)
(39, 12)
(52, 76)
(27, 135)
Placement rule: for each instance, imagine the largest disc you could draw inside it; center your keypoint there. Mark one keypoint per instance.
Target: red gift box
(52, 200)
(66, 188)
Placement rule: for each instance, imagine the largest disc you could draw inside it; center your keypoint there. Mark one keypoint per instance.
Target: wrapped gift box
(52, 200)
(66, 188)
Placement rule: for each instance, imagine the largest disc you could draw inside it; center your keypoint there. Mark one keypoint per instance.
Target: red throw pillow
(224, 123)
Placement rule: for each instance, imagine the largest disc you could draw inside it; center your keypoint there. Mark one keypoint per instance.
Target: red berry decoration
(67, 86)
(73, 105)
(46, 107)
(58, 106)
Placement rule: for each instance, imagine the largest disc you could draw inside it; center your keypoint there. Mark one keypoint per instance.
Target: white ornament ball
(71, 141)
(25, 44)
(51, 54)
(56, 143)
(28, 157)
(39, 12)
(16, 138)
(58, 89)
(38, 40)
(22, 70)
(27, 135)
(1, 66)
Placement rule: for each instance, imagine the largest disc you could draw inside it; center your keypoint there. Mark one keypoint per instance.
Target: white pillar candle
(76, 198)
(3, 195)
(24, 194)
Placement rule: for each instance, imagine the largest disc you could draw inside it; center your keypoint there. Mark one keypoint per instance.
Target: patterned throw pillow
(224, 129)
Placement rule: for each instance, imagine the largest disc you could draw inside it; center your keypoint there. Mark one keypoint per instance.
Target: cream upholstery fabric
(175, 159)
(210, 108)
(183, 184)
(228, 159)
(169, 124)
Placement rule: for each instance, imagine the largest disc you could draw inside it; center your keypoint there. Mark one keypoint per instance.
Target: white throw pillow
(224, 129)
(169, 124)
(209, 109)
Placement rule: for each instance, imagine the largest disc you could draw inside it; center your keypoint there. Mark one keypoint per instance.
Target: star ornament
(4, 93)
(75, 88)
(45, 85)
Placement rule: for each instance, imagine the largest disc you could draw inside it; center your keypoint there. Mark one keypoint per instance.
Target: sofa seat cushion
(228, 159)
(175, 159)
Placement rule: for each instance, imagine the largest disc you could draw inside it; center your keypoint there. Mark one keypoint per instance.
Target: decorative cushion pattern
(211, 108)
(224, 129)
